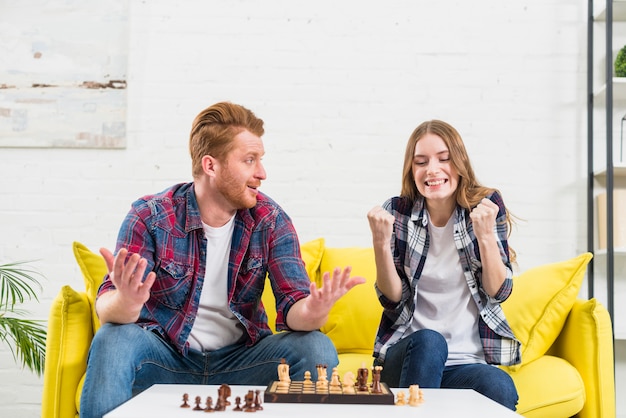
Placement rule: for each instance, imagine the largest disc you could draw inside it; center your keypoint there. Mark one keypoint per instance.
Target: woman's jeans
(420, 359)
(127, 359)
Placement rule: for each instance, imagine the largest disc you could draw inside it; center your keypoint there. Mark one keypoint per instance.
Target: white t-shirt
(443, 300)
(215, 325)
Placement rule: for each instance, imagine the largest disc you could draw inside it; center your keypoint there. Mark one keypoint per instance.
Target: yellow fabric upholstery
(312, 252)
(541, 299)
(588, 335)
(567, 367)
(563, 395)
(67, 344)
(353, 321)
(94, 269)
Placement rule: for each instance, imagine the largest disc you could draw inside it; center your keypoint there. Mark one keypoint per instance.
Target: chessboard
(298, 392)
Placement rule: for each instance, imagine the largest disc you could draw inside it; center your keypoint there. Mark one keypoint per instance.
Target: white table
(163, 401)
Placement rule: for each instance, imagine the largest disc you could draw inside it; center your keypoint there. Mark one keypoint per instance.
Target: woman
(443, 267)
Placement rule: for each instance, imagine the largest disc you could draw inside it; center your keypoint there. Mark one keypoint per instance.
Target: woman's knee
(427, 342)
(499, 386)
(428, 338)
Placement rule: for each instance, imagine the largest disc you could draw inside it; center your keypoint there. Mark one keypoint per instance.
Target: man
(181, 302)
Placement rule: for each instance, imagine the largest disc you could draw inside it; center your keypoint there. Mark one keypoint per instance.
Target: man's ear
(208, 165)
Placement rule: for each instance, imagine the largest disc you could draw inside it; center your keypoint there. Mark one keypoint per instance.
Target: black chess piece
(185, 401)
(198, 407)
(249, 402)
(257, 401)
(209, 404)
(237, 404)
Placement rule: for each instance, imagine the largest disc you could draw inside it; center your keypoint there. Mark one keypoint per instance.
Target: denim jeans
(420, 359)
(127, 359)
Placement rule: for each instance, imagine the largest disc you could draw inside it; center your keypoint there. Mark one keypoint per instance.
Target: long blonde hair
(469, 191)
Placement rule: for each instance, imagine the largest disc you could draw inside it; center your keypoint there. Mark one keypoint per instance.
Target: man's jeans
(420, 359)
(127, 359)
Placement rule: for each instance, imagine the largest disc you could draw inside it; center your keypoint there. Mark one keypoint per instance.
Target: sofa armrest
(586, 341)
(69, 336)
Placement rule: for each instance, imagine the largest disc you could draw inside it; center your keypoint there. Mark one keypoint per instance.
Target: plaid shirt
(166, 229)
(409, 247)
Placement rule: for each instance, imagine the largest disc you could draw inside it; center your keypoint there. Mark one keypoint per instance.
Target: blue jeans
(420, 359)
(127, 359)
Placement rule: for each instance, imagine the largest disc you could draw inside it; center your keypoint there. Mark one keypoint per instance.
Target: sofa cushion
(93, 268)
(312, 252)
(549, 387)
(353, 320)
(541, 300)
(67, 345)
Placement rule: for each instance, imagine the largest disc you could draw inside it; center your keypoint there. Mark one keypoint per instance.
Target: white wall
(340, 85)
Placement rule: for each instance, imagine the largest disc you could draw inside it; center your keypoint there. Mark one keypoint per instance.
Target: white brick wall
(340, 85)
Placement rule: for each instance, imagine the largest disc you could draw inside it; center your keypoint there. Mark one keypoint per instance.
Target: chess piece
(257, 401)
(348, 382)
(224, 392)
(401, 399)
(334, 380)
(283, 375)
(185, 401)
(416, 396)
(322, 380)
(237, 404)
(208, 406)
(361, 380)
(307, 383)
(220, 404)
(198, 407)
(248, 405)
(376, 388)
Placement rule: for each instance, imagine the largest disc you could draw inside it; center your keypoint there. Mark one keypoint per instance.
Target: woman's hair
(469, 191)
(214, 128)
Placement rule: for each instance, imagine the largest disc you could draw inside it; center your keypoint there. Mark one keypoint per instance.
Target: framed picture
(63, 73)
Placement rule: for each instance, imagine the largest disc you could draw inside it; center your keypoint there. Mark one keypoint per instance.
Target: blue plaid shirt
(166, 229)
(409, 247)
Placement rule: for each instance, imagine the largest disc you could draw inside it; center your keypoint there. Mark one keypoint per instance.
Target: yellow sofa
(567, 351)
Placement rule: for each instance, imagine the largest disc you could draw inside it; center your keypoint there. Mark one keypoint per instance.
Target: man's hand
(126, 272)
(312, 312)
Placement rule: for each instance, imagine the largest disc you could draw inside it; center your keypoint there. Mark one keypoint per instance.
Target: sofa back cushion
(312, 252)
(353, 321)
(541, 300)
(94, 268)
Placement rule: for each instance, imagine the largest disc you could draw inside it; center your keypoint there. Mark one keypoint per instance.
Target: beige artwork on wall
(63, 73)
